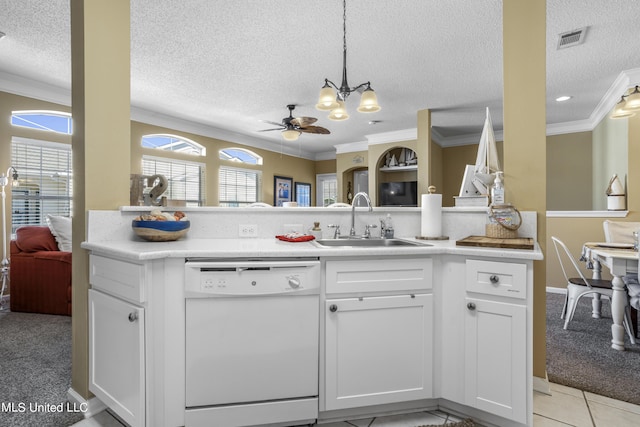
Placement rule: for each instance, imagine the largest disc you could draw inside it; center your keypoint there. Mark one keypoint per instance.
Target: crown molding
(351, 147)
(21, 86)
(393, 136)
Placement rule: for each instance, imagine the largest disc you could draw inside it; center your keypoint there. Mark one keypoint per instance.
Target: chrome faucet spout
(364, 195)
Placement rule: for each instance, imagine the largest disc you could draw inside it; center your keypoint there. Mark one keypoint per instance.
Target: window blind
(45, 182)
(186, 179)
(238, 187)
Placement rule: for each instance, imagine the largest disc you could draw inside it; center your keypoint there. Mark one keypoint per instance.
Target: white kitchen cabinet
(378, 350)
(485, 357)
(116, 355)
(495, 358)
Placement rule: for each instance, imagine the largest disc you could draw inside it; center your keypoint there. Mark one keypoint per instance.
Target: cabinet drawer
(119, 278)
(497, 278)
(378, 275)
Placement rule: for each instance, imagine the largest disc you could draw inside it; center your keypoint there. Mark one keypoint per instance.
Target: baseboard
(542, 385)
(552, 290)
(89, 407)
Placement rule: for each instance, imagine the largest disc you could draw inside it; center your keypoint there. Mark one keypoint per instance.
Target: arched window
(49, 121)
(173, 143)
(240, 155)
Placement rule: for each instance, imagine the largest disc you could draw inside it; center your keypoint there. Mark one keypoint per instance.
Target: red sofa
(40, 274)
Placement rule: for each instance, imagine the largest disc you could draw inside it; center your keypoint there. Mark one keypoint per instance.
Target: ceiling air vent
(571, 38)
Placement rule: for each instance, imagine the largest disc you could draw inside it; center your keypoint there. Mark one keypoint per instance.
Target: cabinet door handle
(494, 279)
(471, 306)
(333, 308)
(133, 316)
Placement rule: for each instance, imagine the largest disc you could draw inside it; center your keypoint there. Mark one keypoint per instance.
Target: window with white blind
(238, 187)
(44, 181)
(186, 179)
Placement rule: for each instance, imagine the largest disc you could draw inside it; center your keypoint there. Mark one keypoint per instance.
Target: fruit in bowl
(160, 226)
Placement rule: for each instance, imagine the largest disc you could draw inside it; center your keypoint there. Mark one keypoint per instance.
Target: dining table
(622, 262)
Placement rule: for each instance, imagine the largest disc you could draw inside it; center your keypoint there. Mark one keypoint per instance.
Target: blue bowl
(160, 231)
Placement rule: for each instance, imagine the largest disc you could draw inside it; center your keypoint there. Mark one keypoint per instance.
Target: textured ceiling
(224, 65)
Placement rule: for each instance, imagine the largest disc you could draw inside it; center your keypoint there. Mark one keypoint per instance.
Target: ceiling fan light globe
(340, 113)
(327, 99)
(368, 102)
(290, 134)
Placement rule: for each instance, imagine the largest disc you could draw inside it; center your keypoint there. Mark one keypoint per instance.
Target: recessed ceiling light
(563, 98)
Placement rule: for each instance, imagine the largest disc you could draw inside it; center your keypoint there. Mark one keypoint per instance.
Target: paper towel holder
(432, 189)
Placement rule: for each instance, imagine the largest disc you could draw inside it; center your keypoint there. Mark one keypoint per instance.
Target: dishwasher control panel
(245, 278)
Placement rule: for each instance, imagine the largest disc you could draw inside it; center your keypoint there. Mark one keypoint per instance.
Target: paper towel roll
(431, 215)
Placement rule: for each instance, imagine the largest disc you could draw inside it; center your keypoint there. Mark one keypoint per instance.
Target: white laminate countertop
(139, 250)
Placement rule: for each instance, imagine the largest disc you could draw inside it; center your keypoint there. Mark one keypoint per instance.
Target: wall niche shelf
(399, 168)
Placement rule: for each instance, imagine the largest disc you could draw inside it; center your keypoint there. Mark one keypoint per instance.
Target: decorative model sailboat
(487, 163)
(478, 178)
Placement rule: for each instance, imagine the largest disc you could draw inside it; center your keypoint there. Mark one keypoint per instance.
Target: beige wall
(569, 172)
(610, 148)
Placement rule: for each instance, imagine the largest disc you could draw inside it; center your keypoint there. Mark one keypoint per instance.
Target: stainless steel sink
(368, 243)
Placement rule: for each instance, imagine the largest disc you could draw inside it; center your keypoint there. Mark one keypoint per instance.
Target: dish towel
(295, 237)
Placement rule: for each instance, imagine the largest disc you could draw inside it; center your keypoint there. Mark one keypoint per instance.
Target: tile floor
(565, 407)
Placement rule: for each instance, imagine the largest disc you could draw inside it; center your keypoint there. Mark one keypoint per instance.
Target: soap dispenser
(497, 190)
(388, 227)
(316, 231)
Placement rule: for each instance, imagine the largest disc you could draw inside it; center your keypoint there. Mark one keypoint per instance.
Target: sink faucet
(352, 232)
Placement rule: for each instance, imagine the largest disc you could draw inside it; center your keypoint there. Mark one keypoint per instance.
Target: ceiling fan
(291, 127)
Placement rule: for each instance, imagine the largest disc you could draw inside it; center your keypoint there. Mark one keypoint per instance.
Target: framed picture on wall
(303, 193)
(282, 189)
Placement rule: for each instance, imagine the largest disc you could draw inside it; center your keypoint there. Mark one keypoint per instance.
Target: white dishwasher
(252, 332)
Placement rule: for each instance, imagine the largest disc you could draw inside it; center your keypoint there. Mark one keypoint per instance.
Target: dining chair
(579, 286)
(619, 231)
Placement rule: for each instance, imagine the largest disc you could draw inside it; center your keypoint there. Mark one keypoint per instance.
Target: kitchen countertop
(139, 250)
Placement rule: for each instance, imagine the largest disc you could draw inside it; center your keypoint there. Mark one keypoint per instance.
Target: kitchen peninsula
(392, 329)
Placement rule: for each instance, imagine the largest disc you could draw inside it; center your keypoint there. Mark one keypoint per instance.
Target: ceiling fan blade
(268, 130)
(314, 129)
(303, 121)
(272, 123)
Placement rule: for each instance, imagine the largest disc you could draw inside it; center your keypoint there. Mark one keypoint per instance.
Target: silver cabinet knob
(133, 316)
(333, 308)
(294, 282)
(494, 279)
(471, 306)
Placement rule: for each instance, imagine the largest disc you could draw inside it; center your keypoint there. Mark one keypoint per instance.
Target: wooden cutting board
(492, 242)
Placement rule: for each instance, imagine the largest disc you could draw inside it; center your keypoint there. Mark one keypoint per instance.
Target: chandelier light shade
(327, 100)
(628, 105)
(368, 102)
(339, 113)
(332, 98)
(290, 134)
(633, 100)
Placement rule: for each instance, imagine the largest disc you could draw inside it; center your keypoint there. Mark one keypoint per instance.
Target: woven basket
(498, 229)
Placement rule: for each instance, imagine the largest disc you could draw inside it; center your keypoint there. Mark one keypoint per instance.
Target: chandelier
(628, 105)
(334, 101)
